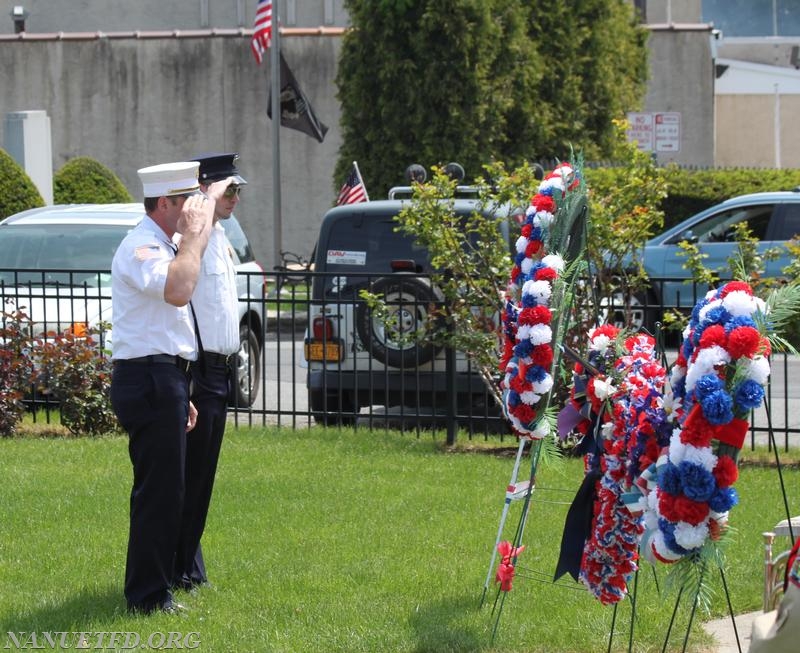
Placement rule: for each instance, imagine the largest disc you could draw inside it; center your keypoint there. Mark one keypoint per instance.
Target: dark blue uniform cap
(215, 166)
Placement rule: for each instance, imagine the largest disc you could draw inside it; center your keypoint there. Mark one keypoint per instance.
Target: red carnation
(543, 203)
(713, 335)
(542, 355)
(743, 341)
(533, 247)
(692, 512)
(515, 272)
(736, 285)
(726, 472)
(545, 274)
(535, 315)
(666, 506)
(696, 428)
(526, 230)
(524, 413)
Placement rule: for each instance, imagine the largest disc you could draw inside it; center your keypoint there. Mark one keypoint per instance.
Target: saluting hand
(197, 215)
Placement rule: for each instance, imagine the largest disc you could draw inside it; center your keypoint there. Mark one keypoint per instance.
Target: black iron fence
(353, 385)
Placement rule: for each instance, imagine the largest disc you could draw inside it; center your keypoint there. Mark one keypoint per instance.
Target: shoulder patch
(145, 252)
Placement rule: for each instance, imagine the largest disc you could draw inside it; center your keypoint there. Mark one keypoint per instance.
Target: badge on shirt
(145, 252)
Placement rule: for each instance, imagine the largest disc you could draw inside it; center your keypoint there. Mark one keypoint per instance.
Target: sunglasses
(231, 191)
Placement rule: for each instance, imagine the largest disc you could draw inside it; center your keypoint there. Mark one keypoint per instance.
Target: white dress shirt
(215, 298)
(143, 323)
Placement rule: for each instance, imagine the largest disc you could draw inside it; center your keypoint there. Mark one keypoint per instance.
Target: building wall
(682, 80)
(132, 102)
(127, 15)
(748, 122)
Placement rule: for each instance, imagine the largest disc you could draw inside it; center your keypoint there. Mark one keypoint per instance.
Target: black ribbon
(577, 527)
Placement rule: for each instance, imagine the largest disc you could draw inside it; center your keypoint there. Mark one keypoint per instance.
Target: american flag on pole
(353, 189)
(262, 29)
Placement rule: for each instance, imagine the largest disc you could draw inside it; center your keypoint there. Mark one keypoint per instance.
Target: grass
(336, 540)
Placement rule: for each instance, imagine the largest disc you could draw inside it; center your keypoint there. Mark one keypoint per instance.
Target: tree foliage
(84, 180)
(17, 191)
(432, 81)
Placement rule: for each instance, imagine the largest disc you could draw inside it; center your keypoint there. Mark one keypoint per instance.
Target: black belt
(217, 359)
(167, 359)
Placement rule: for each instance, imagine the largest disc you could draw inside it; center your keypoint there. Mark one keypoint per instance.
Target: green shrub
(83, 180)
(16, 369)
(17, 191)
(77, 373)
(691, 191)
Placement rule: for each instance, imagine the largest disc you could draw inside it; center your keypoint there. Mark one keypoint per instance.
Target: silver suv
(55, 265)
(357, 358)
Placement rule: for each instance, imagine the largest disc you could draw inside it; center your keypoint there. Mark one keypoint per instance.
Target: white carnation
(540, 334)
(554, 261)
(522, 244)
(756, 368)
(691, 537)
(543, 219)
(543, 386)
(739, 303)
(702, 456)
(539, 290)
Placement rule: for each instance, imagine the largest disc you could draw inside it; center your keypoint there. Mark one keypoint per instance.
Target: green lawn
(334, 541)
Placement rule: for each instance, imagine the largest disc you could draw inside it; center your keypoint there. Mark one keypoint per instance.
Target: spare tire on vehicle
(399, 340)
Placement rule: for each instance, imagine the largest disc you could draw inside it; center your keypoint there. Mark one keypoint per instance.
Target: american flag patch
(145, 252)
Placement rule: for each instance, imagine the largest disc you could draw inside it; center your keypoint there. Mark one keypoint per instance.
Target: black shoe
(173, 607)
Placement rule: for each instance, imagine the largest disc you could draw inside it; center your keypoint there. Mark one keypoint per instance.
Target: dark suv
(359, 358)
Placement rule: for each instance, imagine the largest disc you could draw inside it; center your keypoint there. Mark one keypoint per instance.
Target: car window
(787, 223)
(719, 227)
(238, 239)
(58, 247)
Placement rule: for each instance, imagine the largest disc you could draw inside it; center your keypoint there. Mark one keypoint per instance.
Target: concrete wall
(748, 121)
(127, 15)
(132, 102)
(682, 80)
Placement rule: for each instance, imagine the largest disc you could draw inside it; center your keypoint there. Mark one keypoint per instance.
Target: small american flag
(353, 189)
(262, 34)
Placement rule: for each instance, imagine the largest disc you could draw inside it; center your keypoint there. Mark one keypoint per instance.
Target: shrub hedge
(17, 191)
(84, 180)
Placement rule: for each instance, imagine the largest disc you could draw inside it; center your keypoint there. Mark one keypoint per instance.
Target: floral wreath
(528, 356)
(718, 378)
(629, 436)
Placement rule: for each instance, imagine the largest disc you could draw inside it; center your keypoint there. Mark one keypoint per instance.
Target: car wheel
(637, 313)
(332, 408)
(396, 340)
(246, 377)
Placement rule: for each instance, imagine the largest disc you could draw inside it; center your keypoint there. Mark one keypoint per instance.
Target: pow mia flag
(296, 111)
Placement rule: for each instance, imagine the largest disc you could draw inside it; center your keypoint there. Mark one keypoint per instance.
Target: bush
(16, 369)
(83, 180)
(17, 191)
(692, 191)
(78, 374)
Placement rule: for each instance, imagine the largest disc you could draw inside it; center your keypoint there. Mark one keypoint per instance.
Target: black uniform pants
(151, 401)
(210, 384)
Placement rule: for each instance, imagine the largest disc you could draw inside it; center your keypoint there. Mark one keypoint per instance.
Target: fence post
(452, 394)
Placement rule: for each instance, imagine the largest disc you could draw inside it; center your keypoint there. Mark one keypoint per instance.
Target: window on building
(754, 17)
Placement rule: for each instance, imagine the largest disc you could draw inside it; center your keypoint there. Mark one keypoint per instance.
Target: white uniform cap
(170, 179)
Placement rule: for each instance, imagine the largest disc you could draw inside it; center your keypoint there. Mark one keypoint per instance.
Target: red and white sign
(655, 132)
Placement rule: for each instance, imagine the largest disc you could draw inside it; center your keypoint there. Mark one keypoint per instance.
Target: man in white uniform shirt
(215, 301)
(154, 341)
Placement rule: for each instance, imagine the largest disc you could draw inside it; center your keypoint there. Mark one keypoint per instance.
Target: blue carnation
(669, 479)
(706, 385)
(701, 303)
(717, 407)
(528, 301)
(535, 374)
(512, 398)
(749, 394)
(717, 315)
(536, 234)
(519, 258)
(698, 483)
(723, 499)
(523, 349)
(739, 321)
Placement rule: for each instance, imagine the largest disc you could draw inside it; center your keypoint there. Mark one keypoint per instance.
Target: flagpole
(358, 172)
(275, 82)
